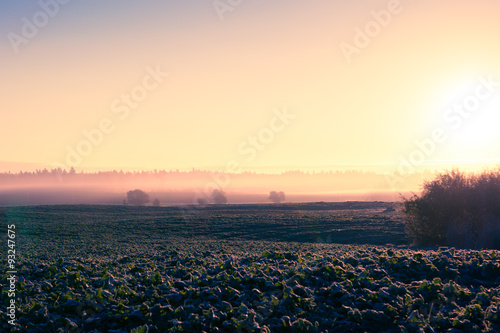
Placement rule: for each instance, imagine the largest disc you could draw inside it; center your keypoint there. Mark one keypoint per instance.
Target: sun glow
(470, 118)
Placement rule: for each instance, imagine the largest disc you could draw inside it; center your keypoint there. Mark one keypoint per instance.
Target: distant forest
(160, 180)
(59, 186)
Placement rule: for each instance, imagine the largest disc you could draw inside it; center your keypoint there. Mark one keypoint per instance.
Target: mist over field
(174, 187)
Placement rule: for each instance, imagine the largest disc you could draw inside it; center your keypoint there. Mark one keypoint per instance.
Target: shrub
(202, 201)
(456, 209)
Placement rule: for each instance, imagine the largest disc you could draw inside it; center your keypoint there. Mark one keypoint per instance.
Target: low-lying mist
(44, 187)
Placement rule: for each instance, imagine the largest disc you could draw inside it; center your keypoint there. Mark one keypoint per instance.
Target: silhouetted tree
(277, 197)
(219, 197)
(125, 203)
(137, 197)
(156, 203)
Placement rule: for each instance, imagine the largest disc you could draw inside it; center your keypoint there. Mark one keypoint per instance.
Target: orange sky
(269, 88)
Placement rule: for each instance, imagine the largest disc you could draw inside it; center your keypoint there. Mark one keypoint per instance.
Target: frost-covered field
(119, 269)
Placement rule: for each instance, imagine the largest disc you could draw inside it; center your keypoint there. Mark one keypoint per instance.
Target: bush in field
(137, 197)
(156, 203)
(456, 209)
(202, 201)
(277, 197)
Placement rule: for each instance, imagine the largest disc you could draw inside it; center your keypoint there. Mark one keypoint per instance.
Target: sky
(264, 86)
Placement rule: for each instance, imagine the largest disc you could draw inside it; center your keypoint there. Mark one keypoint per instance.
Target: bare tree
(277, 197)
(137, 197)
